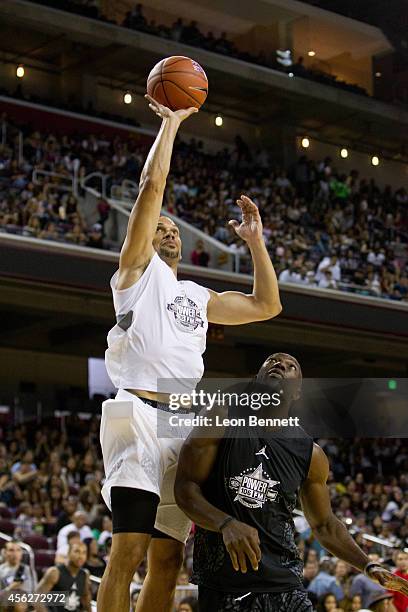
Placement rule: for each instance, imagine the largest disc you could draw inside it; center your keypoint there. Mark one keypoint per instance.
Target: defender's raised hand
(165, 113)
(250, 227)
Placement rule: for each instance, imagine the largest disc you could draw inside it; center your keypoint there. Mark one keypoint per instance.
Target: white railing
(103, 178)
(127, 191)
(70, 185)
(121, 200)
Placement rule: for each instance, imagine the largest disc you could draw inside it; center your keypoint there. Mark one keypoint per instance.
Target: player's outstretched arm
(137, 248)
(196, 461)
(332, 534)
(234, 307)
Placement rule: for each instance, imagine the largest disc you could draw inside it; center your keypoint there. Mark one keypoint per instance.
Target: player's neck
(173, 265)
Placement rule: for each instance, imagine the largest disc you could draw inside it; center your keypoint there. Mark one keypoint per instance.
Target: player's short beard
(169, 253)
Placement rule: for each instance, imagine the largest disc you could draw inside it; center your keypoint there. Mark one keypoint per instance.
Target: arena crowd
(323, 227)
(50, 495)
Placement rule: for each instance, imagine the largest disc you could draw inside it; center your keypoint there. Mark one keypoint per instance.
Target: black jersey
(73, 585)
(256, 480)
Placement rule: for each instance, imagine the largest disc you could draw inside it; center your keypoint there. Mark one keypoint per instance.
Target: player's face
(281, 365)
(167, 241)
(77, 555)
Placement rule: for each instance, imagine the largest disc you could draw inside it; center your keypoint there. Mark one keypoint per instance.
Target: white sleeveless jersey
(160, 332)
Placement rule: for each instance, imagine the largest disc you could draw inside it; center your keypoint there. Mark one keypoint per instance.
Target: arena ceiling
(122, 58)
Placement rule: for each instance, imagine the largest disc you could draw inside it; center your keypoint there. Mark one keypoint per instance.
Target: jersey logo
(262, 452)
(253, 487)
(74, 601)
(186, 313)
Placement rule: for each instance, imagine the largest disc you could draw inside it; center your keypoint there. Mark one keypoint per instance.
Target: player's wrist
(225, 522)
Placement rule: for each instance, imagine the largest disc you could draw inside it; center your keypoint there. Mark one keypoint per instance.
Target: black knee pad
(133, 510)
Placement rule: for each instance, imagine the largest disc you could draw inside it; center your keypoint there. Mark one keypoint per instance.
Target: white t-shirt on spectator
(335, 270)
(389, 510)
(376, 259)
(62, 539)
(103, 537)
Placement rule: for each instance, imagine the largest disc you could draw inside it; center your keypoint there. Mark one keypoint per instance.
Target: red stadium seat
(5, 512)
(44, 558)
(7, 526)
(37, 542)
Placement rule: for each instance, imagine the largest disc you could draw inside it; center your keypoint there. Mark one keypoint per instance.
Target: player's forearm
(191, 500)
(265, 290)
(335, 538)
(157, 164)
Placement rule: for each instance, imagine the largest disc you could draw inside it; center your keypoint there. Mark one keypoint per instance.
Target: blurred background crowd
(322, 228)
(50, 496)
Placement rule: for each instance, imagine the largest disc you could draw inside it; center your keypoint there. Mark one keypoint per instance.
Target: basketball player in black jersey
(241, 492)
(71, 578)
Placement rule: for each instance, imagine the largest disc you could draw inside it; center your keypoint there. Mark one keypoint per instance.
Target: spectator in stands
(188, 604)
(325, 582)
(327, 281)
(78, 524)
(342, 576)
(310, 571)
(69, 577)
(106, 530)
(381, 602)
(94, 562)
(328, 603)
(200, 257)
(330, 264)
(14, 573)
(366, 588)
(73, 537)
(354, 604)
(25, 474)
(400, 601)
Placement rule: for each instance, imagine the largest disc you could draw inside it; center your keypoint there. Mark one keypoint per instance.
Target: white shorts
(134, 456)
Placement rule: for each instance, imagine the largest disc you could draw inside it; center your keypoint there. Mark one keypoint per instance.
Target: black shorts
(290, 601)
(134, 511)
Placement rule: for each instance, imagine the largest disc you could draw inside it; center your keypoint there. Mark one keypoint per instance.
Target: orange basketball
(178, 82)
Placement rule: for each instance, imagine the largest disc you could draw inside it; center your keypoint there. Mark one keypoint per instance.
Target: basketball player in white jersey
(160, 334)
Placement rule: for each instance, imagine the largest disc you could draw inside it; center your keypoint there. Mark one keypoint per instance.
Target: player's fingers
(251, 554)
(151, 100)
(248, 201)
(403, 588)
(257, 548)
(234, 558)
(234, 223)
(242, 561)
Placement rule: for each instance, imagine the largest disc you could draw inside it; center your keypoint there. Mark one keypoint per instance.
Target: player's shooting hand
(242, 542)
(388, 580)
(165, 113)
(250, 227)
